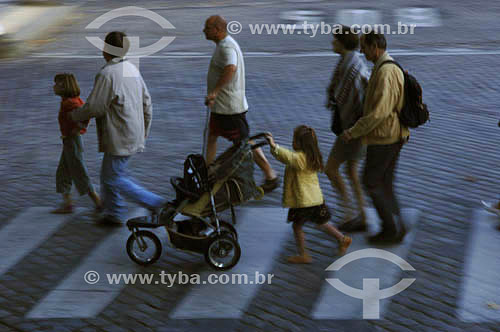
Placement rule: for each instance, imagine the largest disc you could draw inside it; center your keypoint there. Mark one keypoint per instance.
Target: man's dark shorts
(232, 127)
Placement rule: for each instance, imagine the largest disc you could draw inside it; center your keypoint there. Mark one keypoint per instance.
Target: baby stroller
(201, 194)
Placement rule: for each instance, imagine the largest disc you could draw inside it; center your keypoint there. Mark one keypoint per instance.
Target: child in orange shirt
(72, 168)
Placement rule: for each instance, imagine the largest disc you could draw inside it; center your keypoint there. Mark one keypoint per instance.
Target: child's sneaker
(304, 259)
(344, 244)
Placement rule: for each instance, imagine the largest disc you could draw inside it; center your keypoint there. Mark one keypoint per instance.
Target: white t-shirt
(231, 99)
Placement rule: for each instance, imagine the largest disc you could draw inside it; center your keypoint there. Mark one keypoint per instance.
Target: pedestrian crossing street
(263, 234)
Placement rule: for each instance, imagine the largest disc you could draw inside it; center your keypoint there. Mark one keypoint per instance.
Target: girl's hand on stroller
(270, 140)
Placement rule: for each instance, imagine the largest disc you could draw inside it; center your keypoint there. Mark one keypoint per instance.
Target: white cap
(117, 51)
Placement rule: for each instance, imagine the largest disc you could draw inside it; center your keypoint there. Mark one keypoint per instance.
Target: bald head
(218, 22)
(215, 28)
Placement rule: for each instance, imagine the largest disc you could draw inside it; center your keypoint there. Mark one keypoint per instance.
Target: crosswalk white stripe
(333, 304)
(26, 232)
(479, 298)
(261, 234)
(73, 297)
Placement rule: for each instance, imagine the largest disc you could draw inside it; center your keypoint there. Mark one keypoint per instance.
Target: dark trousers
(378, 179)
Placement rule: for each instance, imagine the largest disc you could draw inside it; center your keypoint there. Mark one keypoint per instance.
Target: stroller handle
(256, 146)
(256, 137)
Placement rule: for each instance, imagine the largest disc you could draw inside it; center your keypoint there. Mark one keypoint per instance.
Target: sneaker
(304, 259)
(385, 238)
(490, 207)
(270, 185)
(344, 244)
(356, 224)
(110, 220)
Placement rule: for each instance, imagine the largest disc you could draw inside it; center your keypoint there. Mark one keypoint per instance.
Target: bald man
(226, 97)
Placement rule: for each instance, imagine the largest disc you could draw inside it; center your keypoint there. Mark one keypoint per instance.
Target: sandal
(65, 209)
(305, 259)
(344, 244)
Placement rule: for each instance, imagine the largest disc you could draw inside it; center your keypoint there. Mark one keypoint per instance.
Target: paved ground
(448, 166)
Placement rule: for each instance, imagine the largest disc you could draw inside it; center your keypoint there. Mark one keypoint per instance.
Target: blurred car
(24, 24)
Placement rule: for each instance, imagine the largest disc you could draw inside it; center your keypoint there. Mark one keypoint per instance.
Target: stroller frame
(216, 240)
(178, 240)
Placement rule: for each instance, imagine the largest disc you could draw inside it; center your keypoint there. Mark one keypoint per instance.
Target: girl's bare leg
(344, 241)
(303, 257)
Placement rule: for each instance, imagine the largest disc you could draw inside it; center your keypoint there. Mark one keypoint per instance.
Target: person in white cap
(121, 104)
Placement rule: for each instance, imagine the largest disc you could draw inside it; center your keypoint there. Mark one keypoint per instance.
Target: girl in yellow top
(301, 190)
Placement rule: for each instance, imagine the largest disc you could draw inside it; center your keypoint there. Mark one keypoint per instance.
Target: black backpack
(414, 113)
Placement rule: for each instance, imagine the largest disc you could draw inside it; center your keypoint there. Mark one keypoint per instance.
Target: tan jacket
(121, 104)
(300, 185)
(384, 97)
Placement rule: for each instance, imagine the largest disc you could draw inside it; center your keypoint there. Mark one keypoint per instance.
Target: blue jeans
(115, 184)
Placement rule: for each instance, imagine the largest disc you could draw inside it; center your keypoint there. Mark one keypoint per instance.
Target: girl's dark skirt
(318, 214)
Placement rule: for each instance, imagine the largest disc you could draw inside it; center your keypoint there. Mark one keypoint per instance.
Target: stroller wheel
(223, 252)
(144, 247)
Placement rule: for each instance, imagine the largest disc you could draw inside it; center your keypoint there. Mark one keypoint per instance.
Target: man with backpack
(380, 128)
